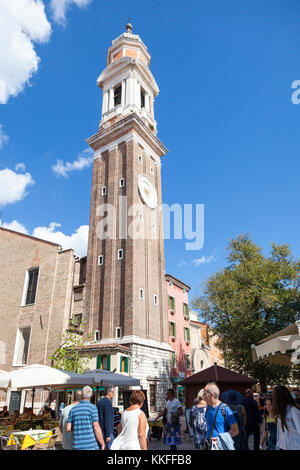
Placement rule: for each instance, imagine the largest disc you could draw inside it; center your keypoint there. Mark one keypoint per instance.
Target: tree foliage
(69, 356)
(251, 298)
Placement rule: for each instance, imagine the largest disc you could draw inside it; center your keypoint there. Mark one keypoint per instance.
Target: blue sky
(225, 70)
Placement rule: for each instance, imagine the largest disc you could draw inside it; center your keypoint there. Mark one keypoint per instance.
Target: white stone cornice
(151, 343)
(132, 122)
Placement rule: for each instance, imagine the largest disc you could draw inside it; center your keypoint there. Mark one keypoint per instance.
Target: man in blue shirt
(225, 420)
(83, 421)
(106, 416)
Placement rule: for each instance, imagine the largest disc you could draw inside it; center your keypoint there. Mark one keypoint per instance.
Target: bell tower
(126, 298)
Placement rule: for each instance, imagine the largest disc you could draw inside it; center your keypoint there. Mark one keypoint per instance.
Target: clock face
(147, 191)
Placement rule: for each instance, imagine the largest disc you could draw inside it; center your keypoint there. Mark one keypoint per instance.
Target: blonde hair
(200, 394)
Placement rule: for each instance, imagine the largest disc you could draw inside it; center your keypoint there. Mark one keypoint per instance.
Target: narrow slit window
(97, 335)
(155, 299)
(142, 294)
(100, 260)
(122, 183)
(118, 332)
(120, 253)
(103, 190)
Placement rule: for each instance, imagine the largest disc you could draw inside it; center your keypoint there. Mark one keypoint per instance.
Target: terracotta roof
(177, 282)
(219, 375)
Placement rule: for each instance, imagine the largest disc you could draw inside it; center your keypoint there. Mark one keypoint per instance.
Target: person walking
(253, 417)
(270, 427)
(198, 422)
(221, 423)
(288, 419)
(234, 399)
(83, 422)
(106, 416)
(133, 428)
(67, 438)
(172, 412)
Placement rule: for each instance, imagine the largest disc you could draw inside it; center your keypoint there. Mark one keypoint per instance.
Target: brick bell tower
(125, 279)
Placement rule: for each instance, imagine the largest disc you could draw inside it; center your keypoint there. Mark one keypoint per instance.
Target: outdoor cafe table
(29, 438)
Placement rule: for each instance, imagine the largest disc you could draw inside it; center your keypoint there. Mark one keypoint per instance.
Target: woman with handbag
(133, 428)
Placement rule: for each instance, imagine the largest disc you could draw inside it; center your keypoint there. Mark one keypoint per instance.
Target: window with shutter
(186, 311)
(173, 359)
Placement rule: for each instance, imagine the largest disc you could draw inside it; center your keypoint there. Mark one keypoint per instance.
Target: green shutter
(173, 302)
(175, 330)
(189, 335)
(108, 362)
(170, 328)
(173, 359)
(121, 360)
(126, 364)
(98, 362)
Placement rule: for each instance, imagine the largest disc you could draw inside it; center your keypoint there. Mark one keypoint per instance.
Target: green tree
(251, 298)
(69, 356)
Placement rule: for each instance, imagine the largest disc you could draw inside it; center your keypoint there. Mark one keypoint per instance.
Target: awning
(279, 343)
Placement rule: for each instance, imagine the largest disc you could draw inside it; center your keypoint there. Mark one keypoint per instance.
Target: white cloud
(59, 8)
(20, 167)
(22, 23)
(78, 240)
(14, 225)
(62, 169)
(13, 186)
(204, 260)
(3, 137)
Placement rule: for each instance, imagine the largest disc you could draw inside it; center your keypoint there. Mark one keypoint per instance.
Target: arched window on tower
(117, 95)
(143, 94)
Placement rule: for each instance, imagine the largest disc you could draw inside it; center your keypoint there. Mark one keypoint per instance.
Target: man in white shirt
(67, 438)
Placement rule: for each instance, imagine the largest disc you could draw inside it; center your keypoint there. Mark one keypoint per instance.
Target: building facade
(36, 301)
(204, 350)
(179, 331)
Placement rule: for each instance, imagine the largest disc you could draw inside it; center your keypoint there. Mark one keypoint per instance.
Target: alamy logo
(181, 222)
(296, 94)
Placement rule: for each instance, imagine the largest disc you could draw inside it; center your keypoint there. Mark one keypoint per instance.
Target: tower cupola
(127, 84)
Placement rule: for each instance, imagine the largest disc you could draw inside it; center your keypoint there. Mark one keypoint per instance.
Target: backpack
(240, 441)
(198, 420)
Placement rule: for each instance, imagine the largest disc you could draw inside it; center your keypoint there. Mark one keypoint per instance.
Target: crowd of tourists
(273, 419)
(85, 426)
